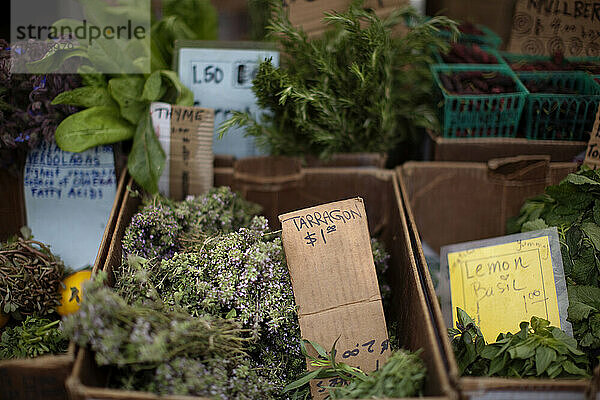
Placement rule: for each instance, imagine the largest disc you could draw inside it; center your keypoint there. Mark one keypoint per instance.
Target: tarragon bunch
(573, 206)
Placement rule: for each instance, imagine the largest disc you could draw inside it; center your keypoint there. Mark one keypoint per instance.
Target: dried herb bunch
(163, 226)
(32, 338)
(30, 278)
(27, 115)
(240, 275)
(573, 206)
(359, 88)
(212, 256)
(153, 348)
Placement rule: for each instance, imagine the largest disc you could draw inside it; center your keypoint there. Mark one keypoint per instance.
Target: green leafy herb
(359, 88)
(573, 207)
(33, 338)
(118, 105)
(537, 350)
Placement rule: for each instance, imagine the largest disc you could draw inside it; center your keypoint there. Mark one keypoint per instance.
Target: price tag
(571, 27)
(185, 134)
(68, 199)
(328, 251)
(221, 78)
(503, 281)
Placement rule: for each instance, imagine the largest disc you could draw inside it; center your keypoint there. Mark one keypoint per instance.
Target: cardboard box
(291, 189)
(483, 149)
(476, 202)
(496, 15)
(44, 377)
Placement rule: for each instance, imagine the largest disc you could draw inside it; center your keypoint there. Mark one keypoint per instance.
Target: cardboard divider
(483, 149)
(387, 221)
(465, 205)
(44, 377)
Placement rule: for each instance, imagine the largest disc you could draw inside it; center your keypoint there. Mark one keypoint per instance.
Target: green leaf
(597, 212)
(579, 311)
(320, 350)
(579, 179)
(147, 158)
(522, 351)
(86, 96)
(543, 357)
(534, 225)
(176, 92)
(303, 380)
(91, 128)
(592, 231)
(127, 91)
(574, 370)
(152, 87)
(54, 61)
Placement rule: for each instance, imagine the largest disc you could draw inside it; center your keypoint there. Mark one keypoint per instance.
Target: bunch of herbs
(117, 106)
(573, 207)
(360, 88)
(32, 338)
(537, 350)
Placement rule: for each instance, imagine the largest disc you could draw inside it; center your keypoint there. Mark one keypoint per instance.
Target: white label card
(68, 198)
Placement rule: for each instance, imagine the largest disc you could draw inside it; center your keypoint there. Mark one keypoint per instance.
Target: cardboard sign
(592, 153)
(328, 251)
(503, 281)
(309, 14)
(571, 27)
(221, 78)
(185, 134)
(68, 199)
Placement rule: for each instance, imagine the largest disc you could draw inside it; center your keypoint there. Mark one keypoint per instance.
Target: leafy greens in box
(359, 88)
(573, 206)
(117, 106)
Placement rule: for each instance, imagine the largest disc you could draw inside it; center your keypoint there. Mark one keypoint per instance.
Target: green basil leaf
(543, 357)
(176, 93)
(147, 158)
(53, 61)
(127, 91)
(592, 231)
(86, 96)
(90, 128)
(522, 351)
(152, 87)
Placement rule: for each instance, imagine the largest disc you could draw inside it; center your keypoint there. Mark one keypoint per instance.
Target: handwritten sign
(571, 27)
(328, 250)
(68, 198)
(504, 281)
(592, 153)
(185, 134)
(221, 78)
(309, 14)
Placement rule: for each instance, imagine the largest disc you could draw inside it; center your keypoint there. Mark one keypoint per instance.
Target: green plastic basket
(490, 50)
(489, 38)
(511, 58)
(489, 115)
(561, 116)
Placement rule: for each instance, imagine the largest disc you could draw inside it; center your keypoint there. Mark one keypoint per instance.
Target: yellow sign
(502, 285)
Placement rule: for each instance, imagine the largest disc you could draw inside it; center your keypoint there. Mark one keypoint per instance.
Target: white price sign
(221, 78)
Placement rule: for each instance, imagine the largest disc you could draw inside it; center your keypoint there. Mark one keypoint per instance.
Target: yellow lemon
(3, 319)
(71, 293)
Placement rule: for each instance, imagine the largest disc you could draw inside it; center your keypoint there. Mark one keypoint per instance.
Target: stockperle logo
(62, 36)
